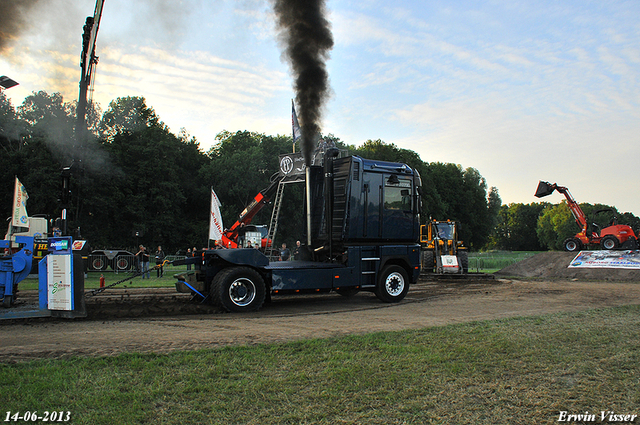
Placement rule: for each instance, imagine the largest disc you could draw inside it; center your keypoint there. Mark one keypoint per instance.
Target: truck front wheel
(238, 289)
(393, 284)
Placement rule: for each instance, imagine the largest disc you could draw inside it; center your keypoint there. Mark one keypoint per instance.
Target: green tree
(12, 129)
(516, 228)
(51, 120)
(33, 140)
(152, 186)
(555, 225)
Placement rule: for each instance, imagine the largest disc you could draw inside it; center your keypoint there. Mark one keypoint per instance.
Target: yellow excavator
(442, 251)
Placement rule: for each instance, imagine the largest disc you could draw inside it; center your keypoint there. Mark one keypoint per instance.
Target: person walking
(159, 254)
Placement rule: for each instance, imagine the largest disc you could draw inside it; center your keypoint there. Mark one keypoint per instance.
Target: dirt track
(428, 303)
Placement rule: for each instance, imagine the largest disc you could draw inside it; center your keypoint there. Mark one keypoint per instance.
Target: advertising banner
(59, 282)
(629, 259)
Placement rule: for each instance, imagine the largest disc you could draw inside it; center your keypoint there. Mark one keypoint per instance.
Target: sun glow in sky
(522, 90)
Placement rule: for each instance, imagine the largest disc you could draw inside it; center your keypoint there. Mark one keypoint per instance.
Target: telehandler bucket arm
(544, 189)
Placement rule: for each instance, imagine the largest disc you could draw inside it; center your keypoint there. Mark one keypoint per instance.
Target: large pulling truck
(362, 234)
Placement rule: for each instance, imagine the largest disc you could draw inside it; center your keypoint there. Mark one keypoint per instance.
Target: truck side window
(398, 196)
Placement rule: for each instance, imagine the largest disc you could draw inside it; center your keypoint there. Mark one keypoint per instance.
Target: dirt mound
(554, 265)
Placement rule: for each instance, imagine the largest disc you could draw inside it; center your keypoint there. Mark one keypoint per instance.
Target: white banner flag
(215, 224)
(19, 214)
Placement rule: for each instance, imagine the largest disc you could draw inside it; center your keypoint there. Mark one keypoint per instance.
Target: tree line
(135, 182)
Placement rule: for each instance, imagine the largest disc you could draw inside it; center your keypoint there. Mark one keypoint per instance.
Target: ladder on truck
(273, 225)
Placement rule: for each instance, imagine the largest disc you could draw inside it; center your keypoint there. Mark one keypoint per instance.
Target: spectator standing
(143, 261)
(159, 260)
(284, 252)
(189, 255)
(296, 251)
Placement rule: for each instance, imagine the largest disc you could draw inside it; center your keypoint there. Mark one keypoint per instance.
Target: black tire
(463, 261)
(347, 292)
(99, 263)
(609, 242)
(238, 289)
(122, 263)
(572, 245)
(393, 284)
(428, 261)
(7, 301)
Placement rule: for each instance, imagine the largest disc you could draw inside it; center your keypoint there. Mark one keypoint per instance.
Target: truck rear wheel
(393, 284)
(238, 289)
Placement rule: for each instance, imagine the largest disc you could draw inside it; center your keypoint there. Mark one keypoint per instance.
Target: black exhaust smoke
(306, 37)
(13, 20)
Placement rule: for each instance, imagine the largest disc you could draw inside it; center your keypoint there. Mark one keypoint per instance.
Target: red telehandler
(615, 236)
(231, 237)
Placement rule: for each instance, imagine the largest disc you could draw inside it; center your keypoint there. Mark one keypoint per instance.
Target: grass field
(514, 371)
(492, 261)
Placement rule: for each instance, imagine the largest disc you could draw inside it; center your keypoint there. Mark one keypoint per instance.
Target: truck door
(397, 208)
(372, 194)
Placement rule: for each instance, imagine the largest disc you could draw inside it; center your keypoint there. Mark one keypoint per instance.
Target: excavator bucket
(544, 189)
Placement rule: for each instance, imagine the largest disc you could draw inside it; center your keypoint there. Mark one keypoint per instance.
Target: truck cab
(363, 228)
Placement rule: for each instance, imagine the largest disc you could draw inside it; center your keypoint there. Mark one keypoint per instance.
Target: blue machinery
(14, 267)
(60, 280)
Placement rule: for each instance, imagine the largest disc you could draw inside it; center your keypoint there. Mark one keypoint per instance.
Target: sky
(522, 91)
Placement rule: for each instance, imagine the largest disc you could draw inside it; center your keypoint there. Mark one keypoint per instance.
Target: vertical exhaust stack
(308, 200)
